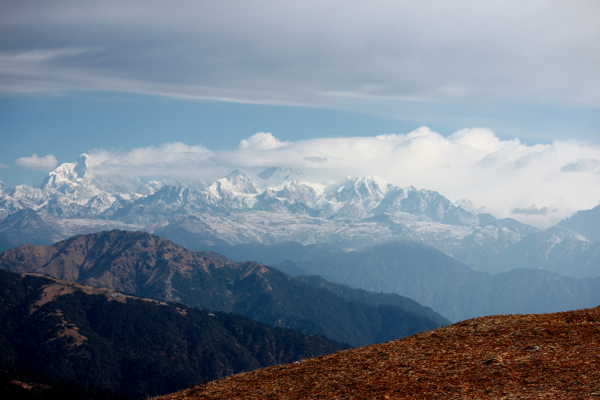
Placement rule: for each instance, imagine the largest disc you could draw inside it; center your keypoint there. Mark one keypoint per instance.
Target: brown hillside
(539, 356)
(129, 262)
(152, 267)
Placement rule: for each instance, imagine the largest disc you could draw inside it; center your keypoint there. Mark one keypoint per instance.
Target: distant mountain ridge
(153, 267)
(431, 278)
(77, 193)
(585, 222)
(282, 204)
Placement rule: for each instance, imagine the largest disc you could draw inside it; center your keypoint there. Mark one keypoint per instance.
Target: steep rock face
(291, 197)
(153, 267)
(235, 183)
(70, 176)
(355, 198)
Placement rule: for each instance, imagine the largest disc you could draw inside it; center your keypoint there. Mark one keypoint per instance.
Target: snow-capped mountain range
(278, 206)
(71, 191)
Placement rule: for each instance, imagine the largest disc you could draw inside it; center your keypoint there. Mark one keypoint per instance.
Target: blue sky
(111, 77)
(70, 123)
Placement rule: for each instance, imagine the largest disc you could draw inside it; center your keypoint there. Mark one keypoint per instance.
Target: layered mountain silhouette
(153, 267)
(99, 343)
(431, 277)
(585, 222)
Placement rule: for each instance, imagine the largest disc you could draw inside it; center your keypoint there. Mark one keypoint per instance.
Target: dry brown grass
(545, 356)
(61, 287)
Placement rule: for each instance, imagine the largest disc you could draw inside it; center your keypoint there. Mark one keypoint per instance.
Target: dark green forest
(133, 349)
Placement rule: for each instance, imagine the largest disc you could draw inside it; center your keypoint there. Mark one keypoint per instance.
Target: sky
(497, 102)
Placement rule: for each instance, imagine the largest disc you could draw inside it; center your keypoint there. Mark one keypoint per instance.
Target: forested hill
(152, 267)
(65, 333)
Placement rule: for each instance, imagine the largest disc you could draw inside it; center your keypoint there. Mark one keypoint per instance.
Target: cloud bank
(45, 163)
(537, 184)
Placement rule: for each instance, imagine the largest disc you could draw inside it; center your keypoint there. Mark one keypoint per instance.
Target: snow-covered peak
(467, 206)
(69, 175)
(233, 185)
(298, 192)
(276, 177)
(242, 182)
(365, 188)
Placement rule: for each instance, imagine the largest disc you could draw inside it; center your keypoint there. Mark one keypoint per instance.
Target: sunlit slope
(550, 356)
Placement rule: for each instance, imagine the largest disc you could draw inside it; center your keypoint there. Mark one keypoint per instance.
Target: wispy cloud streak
(315, 53)
(34, 162)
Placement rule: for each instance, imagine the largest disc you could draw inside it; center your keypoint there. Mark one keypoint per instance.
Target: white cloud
(582, 165)
(504, 177)
(169, 160)
(34, 162)
(261, 141)
(3, 165)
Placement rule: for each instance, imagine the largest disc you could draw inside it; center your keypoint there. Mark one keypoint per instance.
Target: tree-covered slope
(61, 332)
(153, 267)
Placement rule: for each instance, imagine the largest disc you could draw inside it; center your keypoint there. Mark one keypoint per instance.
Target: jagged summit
(273, 177)
(69, 175)
(71, 190)
(466, 205)
(364, 188)
(242, 181)
(280, 204)
(236, 184)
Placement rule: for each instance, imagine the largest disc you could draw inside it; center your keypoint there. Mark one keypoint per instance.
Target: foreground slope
(153, 267)
(551, 356)
(65, 333)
